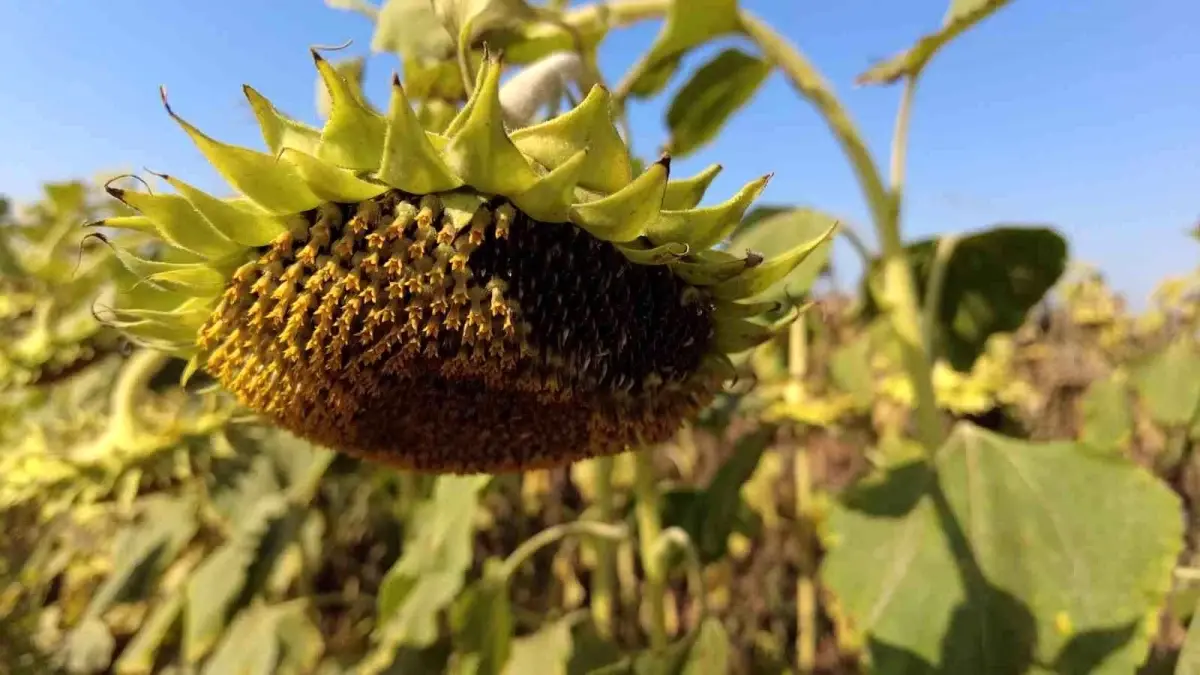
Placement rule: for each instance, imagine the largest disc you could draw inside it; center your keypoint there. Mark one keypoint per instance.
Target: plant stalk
(899, 287)
(806, 595)
(649, 529)
(604, 576)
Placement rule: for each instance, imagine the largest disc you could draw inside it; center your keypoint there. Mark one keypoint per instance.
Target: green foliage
(817, 518)
(1033, 563)
(991, 280)
(715, 91)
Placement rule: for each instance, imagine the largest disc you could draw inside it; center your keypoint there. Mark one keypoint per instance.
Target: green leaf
(709, 654)
(1107, 415)
(220, 583)
(482, 620)
(1003, 553)
(992, 280)
(145, 549)
(1189, 656)
(471, 18)
(139, 656)
(962, 15)
(1168, 384)
(773, 234)
(411, 30)
(249, 647)
(429, 574)
(713, 94)
(546, 652)
(850, 369)
(689, 24)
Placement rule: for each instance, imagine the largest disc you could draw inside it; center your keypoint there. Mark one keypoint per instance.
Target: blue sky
(1083, 115)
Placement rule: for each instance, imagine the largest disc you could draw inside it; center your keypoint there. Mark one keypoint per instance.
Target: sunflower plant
(460, 382)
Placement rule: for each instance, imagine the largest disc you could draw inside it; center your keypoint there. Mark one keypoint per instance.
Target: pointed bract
(686, 193)
(280, 131)
(235, 222)
(480, 151)
(410, 162)
(352, 137)
(588, 126)
(755, 281)
(550, 198)
(625, 214)
(702, 228)
(329, 182)
(178, 223)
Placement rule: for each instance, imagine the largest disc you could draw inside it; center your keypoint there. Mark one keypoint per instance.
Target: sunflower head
(474, 300)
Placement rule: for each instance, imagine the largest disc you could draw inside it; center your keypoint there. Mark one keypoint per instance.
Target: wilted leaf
(89, 647)
(144, 550)
(138, 657)
(429, 574)
(249, 647)
(778, 233)
(1169, 385)
(1002, 553)
(689, 23)
(962, 15)
(411, 29)
(992, 280)
(1107, 416)
(214, 589)
(713, 94)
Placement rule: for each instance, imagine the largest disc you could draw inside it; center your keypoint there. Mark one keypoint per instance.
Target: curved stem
(678, 537)
(552, 534)
(813, 87)
(649, 530)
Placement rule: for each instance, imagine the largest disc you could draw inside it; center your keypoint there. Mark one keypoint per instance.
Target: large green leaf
(1003, 553)
(992, 279)
(773, 232)
(1107, 416)
(689, 23)
(1168, 384)
(713, 94)
(961, 15)
(428, 576)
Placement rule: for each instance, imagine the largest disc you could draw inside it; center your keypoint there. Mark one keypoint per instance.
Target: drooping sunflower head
(473, 300)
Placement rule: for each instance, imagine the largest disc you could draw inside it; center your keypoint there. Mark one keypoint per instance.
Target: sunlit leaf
(546, 652)
(1001, 554)
(962, 15)
(482, 620)
(411, 29)
(1168, 384)
(689, 23)
(1107, 415)
(992, 279)
(716, 91)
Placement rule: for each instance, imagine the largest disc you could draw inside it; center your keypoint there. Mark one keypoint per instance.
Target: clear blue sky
(1085, 115)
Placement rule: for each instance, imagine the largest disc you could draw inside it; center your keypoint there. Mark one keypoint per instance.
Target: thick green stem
(604, 575)
(933, 291)
(900, 297)
(900, 290)
(649, 529)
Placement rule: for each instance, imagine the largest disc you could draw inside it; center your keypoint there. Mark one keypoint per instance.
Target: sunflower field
(464, 386)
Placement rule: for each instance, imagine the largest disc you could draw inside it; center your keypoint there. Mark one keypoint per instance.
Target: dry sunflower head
(467, 301)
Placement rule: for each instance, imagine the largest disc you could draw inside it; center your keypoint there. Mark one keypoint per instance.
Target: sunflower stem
(649, 530)
(806, 596)
(604, 574)
(899, 299)
(550, 535)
